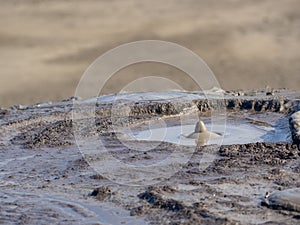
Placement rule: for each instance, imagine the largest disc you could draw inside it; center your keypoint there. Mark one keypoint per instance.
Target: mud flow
(137, 159)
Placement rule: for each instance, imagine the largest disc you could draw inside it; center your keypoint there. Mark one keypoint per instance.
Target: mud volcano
(55, 168)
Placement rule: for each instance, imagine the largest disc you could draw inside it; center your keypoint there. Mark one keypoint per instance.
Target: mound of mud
(49, 175)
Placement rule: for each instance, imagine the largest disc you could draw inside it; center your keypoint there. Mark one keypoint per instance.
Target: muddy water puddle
(234, 131)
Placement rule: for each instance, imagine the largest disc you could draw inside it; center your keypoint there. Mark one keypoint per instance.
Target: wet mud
(45, 178)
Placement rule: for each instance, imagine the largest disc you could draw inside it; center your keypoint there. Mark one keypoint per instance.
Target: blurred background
(46, 45)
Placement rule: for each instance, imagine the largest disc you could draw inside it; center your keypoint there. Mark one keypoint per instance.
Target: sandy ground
(45, 46)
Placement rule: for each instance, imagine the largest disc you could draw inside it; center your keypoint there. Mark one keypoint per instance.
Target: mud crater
(44, 175)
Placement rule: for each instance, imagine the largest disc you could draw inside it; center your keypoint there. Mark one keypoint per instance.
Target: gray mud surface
(45, 179)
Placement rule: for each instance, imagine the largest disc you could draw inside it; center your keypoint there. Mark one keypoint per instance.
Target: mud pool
(149, 172)
(234, 131)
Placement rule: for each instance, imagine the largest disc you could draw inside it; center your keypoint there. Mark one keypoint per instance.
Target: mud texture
(295, 128)
(288, 199)
(44, 178)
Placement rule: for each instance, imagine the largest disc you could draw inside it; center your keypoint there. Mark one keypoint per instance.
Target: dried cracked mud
(45, 176)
